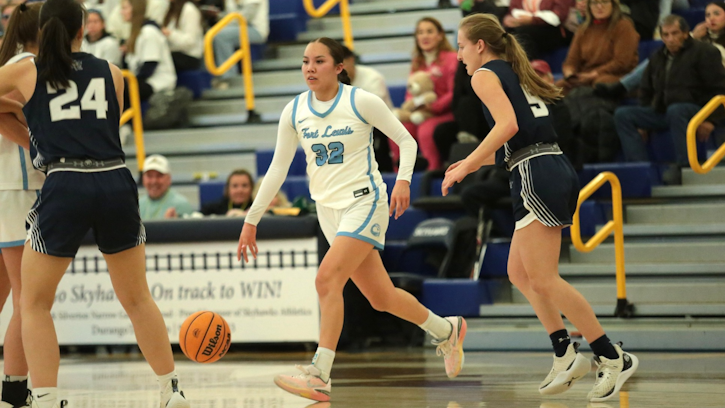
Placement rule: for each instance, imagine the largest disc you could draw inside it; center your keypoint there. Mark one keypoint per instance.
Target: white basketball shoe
(566, 371)
(612, 374)
(172, 397)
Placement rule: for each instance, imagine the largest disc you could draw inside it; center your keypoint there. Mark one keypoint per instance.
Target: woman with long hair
(72, 116)
(19, 187)
(333, 121)
(544, 189)
(147, 51)
(183, 28)
(237, 196)
(432, 54)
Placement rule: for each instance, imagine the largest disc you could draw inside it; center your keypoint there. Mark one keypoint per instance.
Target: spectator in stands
(604, 47)
(468, 126)
(98, 42)
(680, 78)
(120, 28)
(712, 31)
(160, 200)
(104, 6)
(373, 81)
(538, 25)
(183, 28)
(226, 43)
(147, 52)
(498, 8)
(666, 7)
(237, 196)
(279, 201)
(433, 54)
(7, 11)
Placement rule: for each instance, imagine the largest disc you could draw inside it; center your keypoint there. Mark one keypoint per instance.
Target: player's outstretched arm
(14, 130)
(488, 88)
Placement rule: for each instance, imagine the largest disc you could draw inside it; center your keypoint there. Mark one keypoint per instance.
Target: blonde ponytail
(487, 28)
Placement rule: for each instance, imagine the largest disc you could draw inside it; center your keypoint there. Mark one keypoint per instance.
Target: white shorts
(14, 207)
(366, 220)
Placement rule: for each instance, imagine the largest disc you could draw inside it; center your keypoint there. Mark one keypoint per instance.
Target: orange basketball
(205, 337)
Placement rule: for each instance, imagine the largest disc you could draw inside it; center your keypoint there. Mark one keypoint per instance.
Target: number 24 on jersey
(94, 99)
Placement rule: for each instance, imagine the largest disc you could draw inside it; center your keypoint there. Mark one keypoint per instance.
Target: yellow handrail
(695, 122)
(614, 226)
(133, 113)
(243, 54)
(344, 15)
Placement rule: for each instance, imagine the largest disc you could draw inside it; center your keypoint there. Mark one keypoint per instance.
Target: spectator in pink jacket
(539, 25)
(434, 54)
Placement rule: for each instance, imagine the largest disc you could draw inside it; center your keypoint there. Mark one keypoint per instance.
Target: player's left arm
(488, 88)
(374, 111)
(118, 85)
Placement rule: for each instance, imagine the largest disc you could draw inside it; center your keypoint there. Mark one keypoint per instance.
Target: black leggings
(144, 89)
(184, 62)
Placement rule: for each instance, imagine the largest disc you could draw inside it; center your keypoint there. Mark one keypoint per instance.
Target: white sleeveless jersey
(16, 166)
(338, 146)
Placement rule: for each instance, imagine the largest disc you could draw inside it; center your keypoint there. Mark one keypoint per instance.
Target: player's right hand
(247, 240)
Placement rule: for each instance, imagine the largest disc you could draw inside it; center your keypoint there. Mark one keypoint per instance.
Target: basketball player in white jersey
(19, 185)
(334, 124)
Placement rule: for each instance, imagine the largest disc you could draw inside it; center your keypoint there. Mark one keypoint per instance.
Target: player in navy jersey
(74, 102)
(544, 189)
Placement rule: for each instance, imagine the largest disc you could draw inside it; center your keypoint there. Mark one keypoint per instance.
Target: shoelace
(444, 348)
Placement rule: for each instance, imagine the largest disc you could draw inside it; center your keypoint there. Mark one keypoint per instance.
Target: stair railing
(695, 122)
(623, 308)
(344, 15)
(133, 113)
(243, 54)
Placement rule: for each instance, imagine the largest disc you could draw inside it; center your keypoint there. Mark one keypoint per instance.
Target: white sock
(323, 361)
(437, 326)
(164, 380)
(46, 397)
(16, 378)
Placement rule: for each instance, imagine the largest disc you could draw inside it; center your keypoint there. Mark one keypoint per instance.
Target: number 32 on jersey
(330, 154)
(94, 99)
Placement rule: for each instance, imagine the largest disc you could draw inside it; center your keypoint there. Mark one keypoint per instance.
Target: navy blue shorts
(544, 188)
(72, 203)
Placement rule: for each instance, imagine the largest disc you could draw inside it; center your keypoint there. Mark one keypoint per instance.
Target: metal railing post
(695, 122)
(243, 54)
(133, 113)
(623, 308)
(344, 15)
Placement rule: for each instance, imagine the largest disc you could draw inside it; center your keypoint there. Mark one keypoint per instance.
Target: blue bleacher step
(457, 297)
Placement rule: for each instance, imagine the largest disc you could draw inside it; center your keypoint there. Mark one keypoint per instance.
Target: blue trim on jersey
(375, 188)
(354, 109)
(332, 108)
(294, 112)
(12, 244)
(375, 243)
(23, 168)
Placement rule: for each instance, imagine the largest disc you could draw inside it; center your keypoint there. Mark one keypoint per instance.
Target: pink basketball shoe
(308, 384)
(452, 348)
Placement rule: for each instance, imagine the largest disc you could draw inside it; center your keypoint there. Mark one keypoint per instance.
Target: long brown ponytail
(22, 30)
(487, 28)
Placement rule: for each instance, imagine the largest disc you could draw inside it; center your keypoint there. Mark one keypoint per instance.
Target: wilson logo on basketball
(213, 341)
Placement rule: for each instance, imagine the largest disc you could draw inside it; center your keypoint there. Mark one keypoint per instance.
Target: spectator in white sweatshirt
(256, 12)
(183, 28)
(98, 42)
(121, 29)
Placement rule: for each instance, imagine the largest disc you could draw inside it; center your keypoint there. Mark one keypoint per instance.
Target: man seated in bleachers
(371, 80)
(160, 200)
(680, 79)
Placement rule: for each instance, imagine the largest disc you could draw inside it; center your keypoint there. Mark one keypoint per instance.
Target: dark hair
(674, 18)
(487, 28)
(22, 30)
(617, 15)
(720, 39)
(338, 55)
(138, 16)
(60, 21)
(174, 13)
(95, 11)
(238, 172)
(347, 53)
(444, 45)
